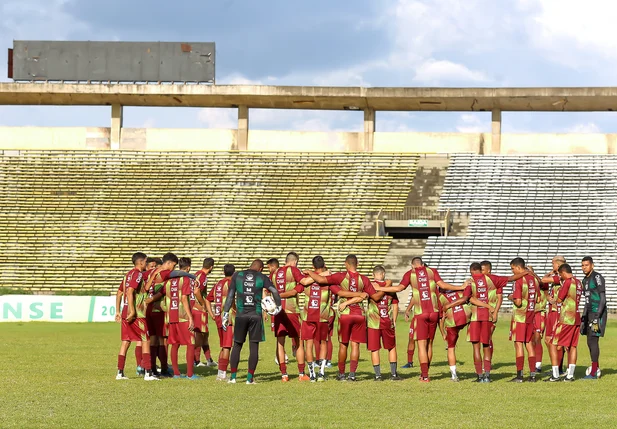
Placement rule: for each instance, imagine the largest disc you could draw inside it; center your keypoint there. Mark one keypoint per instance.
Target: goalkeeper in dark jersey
(593, 322)
(246, 290)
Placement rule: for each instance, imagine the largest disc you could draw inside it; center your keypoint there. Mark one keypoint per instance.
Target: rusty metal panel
(113, 61)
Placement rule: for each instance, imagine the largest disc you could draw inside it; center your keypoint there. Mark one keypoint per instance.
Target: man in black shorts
(594, 317)
(246, 290)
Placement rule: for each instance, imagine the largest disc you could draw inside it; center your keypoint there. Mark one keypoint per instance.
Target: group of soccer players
(163, 307)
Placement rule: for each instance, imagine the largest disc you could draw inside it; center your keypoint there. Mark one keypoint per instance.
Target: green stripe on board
(91, 312)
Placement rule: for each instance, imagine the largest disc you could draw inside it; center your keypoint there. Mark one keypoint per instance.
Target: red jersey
(174, 290)
(317, 305)
(218, 296)
(286, 279)
(526, 290)
(485, 288)
(553, 293)
(380, 314)
(456, 316)
(201, 283)
(153, 282)
(352, 282)
(131, 280)
(424, 289)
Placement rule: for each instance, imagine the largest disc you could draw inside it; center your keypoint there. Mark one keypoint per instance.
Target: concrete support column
(116, 126)
(243, 128)
(369, 130)
(496, 132)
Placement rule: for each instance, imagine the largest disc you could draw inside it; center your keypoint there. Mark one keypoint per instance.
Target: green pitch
(62, 375)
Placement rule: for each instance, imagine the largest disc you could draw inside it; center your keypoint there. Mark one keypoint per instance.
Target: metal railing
(414, 213)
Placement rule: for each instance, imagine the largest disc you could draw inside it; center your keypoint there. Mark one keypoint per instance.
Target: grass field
(62, 375)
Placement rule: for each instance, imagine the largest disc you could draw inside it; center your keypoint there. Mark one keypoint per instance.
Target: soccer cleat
(313, 379)
(200, 364)
(285, 378)
(552, 379)
(395, 377)
(231, 381)
(341, 377)
(321, 377)
(211, 363)
(517, 379)
(408, 365)
(587, 377)
(486, 379)
(121, 376)
(328, 364)
(252, 381)
(425, 380)
(304, 377)
(193, 377)
(219, 378)
(168, 373)
(140, 371)
(568, 379)
(179, 376)
(455, 379)
(350, 378)
(151, 377)
(480, 379)
(378, 378)
(531, 379)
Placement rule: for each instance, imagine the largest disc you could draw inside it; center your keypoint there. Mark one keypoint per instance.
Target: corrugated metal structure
(160, 62)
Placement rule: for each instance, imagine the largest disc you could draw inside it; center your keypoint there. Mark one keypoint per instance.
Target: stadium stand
(535, 207)
(72, 219)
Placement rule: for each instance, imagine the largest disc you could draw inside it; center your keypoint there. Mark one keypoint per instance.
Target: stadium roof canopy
(306, 97)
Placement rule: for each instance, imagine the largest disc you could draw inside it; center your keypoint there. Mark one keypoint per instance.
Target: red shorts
(200, 320)
(316, 331)
(551, 323)
(226, 338)
(566, 335)
(137, 330)
(480, 331)
(521, 332)
(377, 336)
(452, 335)
(156, 323)
(179, 334)
(331, 321)
(351, 327)
(425, 325)
(287, 325)
(539, 322)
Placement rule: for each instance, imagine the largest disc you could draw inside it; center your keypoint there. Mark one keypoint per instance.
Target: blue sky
(487, 43)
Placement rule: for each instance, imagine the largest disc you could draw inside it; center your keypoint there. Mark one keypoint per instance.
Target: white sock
(538, 366)
(323, 366)
(555, 372)
(453, 370)
(222, 374)
(571, 369)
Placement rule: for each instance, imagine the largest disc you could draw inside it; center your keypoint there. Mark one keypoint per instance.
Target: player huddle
(163, 307)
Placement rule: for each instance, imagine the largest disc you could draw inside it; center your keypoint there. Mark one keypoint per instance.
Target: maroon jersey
(218, 296)
(153, 281)
(526, 290)
(424, 289)
(174, 290)
(286, 279)
(132, 280)
(201, 282)
(485, 288)
(352, 282)
(380, 314)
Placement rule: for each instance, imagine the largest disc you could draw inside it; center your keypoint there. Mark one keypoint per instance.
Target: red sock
(233, 370)
(163, 358)
(478, 366)
(223, 364)
(487, 365)
(520, 363)
(121, 362)
(138, 355)
(146, 362)
(153, 354)
(539, 352)
(206, 350)
(190, 353)
(594, 368)
(341, 367)
(424, 370)
(330, 350)
(353, 365)
(252, 372)
(532, 363)
(283, 367)
(301, 367)
(410, 356)
(174, 358)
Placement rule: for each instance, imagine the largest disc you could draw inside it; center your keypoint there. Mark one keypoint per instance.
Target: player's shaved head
(318, 262)
(292, 257)
(517, 262)
(257, 265)
(352, 261)
(565, 268)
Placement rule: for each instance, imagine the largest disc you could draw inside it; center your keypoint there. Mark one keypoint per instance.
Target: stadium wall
(164, 139)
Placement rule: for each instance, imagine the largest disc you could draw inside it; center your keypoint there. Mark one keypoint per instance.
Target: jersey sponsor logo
(425, 295)
(383, 312)
(280, 274)
(481, 283)
(314, 303)
(250, 277)
(248, 289)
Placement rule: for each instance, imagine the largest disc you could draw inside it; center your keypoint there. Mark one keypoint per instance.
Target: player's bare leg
(199, 340)
(342, 360)
(477, 360)
(554, 355)
(572, 358)
(300, 359)
(430, 352)
(280, 356)
(124, 348)
(205, 346)
(323, 358)
(309, 356)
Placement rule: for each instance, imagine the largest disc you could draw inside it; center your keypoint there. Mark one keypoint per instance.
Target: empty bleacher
(534, 207)
(72, 219)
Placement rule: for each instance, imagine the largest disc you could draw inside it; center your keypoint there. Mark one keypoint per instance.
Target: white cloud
(434, 72)
(584, 128)
(219, 118)
(469, 123)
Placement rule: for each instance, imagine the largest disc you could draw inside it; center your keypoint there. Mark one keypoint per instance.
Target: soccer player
(246, 290)
(352, 323)
(595, 312)
(177, 291)
(273, 265)
(523, 314)
(425, 282)
(287, 323)
(381, 322)
(155, 316)
(315, 316)
(411, 343)
(150, 264)
(551, 283)
(218, 296)
(200, 315)
(454, 312)
(485, 296)
(568, 328)
(134, 327)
